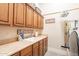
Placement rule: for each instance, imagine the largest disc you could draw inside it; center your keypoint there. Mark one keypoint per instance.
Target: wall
(7, 32)
(55, 30)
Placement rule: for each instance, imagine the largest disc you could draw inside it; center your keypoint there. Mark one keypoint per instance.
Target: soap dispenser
(36, 34)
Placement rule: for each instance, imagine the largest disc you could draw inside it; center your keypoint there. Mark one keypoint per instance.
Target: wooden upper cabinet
(6, 13)
(29, 17)
(35, 25)
(39, 21)
(19, 14)
(42, 23)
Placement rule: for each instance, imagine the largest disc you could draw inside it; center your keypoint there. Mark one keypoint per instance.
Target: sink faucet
(20, 33)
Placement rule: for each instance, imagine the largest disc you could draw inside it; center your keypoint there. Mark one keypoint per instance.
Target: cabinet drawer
(35, 45)
(25, 51)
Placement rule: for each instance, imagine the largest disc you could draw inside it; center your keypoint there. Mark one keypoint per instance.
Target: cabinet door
(40, 52)
(26, 51)
(35, 20)
(35, 49)
(29, 54)
(29, 17)
(6, 13)
(39, 21)
(19, 14)
(41, 48)
(46, 44)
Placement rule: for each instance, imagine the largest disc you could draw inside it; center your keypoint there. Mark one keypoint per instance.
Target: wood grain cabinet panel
(40, 52)
(19, 14)
(26, 51)
(45, 45)
(35, 25)
(29, 54)
(41, 48)
(35, 49)
(35, 45)
(29, 17)
(6, 13)
(42, 24)
(39, 21)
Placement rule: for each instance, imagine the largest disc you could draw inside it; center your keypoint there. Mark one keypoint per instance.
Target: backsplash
(29, 32)
(7, 32)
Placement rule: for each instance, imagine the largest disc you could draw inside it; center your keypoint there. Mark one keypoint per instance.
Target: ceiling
(56, 7)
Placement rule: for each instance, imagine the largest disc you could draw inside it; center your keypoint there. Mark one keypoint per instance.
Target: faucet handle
(18, 31)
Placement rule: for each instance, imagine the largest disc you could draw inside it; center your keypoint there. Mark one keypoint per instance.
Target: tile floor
(56, 52)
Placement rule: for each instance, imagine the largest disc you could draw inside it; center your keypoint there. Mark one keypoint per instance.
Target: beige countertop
(11, 48)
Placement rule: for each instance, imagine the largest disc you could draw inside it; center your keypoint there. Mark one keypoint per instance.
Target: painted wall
(55, 30)
(7, 32)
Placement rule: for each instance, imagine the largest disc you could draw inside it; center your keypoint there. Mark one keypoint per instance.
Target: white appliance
(73, 46)
(73, 42)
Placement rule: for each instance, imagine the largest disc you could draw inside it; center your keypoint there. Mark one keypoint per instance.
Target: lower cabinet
(45, 45)
(41, 48)
(28, 54)
(26, 51)
(35, 49)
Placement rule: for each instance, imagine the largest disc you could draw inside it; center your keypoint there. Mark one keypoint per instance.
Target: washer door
(73, 44)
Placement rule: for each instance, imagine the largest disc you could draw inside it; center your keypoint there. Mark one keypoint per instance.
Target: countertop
(11, 48)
